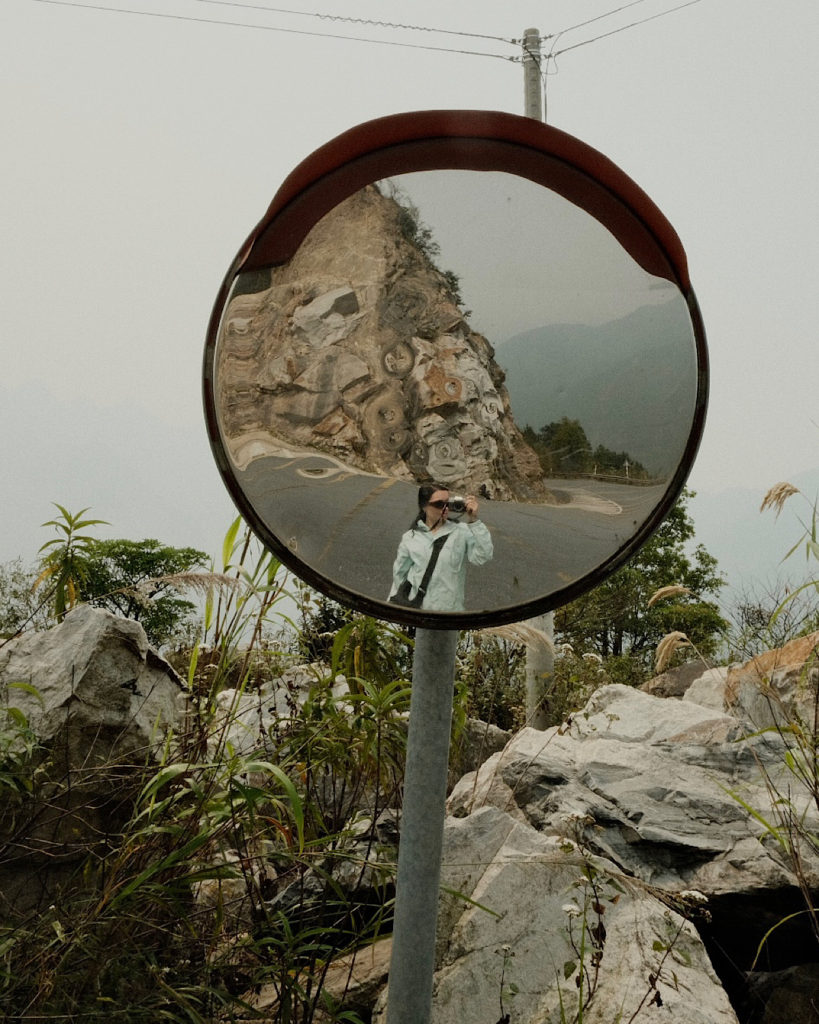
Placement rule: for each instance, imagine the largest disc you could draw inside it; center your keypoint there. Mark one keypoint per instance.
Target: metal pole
(412, 964)
(540, 670)
(409, 998)
(539, 659)
(533, 94)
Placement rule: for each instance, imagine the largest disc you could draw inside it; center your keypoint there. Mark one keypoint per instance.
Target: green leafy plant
(18, 744)
(143, 580)
(64, 561)
(234, 871)
(620, 623)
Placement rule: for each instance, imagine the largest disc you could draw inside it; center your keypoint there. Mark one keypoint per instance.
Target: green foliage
(18, 745)
(490, 680)
(764, 618)
(575, 679)
(616, 620)
(421, 238)
(563, 449)
(235, 869)
(321, 619)
(141, 580)
(64, 561)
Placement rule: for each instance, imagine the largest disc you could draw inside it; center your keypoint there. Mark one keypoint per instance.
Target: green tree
(616, 621)
(141, 579)
(64, 560)
(564, 447)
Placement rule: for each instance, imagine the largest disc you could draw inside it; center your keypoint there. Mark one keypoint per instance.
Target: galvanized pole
(539, 658)
(412, 966)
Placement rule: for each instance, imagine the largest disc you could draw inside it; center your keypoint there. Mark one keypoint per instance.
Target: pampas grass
(777, 496)
(671, 591)
(520, 633)
(668, 646)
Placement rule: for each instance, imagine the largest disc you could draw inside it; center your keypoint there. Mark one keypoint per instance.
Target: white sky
(138, 152)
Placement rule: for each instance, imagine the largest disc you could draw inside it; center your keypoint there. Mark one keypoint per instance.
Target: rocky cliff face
(357, 348)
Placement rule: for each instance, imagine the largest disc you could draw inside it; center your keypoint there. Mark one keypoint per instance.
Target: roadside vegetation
(242, 877)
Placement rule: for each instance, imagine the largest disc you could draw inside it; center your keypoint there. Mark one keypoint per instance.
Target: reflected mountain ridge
(627, 381)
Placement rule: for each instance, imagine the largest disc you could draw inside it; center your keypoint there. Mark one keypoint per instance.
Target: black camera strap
(433, 558)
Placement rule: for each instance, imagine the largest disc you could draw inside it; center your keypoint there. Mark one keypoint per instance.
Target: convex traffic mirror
(457, 305)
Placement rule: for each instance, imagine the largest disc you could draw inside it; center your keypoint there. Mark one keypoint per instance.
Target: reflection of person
(465, 541)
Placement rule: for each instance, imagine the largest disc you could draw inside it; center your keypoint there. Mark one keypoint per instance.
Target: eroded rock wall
(358, 349)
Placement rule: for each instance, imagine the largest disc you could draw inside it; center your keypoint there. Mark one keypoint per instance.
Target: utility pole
(533, 93)
(412, 965)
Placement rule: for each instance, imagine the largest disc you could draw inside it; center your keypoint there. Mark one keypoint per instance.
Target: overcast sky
(139, 151)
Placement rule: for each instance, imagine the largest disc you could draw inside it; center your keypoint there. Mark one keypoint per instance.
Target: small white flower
(571, 909)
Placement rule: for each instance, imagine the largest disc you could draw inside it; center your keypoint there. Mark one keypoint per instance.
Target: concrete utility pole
(540, 669)
(533, 93)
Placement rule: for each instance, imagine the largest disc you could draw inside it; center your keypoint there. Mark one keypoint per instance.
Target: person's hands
(471, 503)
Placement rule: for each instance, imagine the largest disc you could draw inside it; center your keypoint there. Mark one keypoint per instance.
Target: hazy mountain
(750, 545)
(630, 382)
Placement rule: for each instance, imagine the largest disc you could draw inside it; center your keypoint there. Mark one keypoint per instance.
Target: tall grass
(234, 872)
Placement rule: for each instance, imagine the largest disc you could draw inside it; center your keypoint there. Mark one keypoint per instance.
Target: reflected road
(346, 526)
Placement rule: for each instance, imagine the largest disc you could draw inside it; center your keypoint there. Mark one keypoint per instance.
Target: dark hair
(425, 492)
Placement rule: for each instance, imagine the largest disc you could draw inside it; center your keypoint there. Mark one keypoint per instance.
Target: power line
(362, 21)
(599, 17)
(275, 28)
(623, 28)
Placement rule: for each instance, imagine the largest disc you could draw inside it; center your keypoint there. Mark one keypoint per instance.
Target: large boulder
(537, 924)
(639, 825)
(777, 687)
(660, 787)
(98, 701)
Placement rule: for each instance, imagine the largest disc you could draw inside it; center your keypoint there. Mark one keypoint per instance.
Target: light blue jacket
(445, 590)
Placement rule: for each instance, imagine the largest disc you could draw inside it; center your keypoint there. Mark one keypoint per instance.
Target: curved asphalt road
(346, 525)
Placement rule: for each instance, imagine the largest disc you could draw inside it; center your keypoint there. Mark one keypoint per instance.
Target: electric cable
(600, 17)
(276, 28)
(362, 21)
(623, 28)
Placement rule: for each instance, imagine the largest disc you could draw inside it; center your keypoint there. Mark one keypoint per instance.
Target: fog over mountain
(750, 545)
(628, 381)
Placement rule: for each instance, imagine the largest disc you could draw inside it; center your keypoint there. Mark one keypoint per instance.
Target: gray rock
(676, 681)
(99, 702)
(708, 689)
(101, 692)
(538, 917)
(660, 787)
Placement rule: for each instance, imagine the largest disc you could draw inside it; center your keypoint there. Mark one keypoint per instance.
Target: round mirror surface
(462, 356)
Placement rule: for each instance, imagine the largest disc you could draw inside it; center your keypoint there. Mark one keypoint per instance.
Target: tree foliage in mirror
(563, 449)
(616, 622)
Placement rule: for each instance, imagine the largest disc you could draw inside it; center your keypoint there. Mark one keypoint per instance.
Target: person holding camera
(429, 571)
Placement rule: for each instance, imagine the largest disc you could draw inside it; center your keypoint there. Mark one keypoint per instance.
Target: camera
(456, 505)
